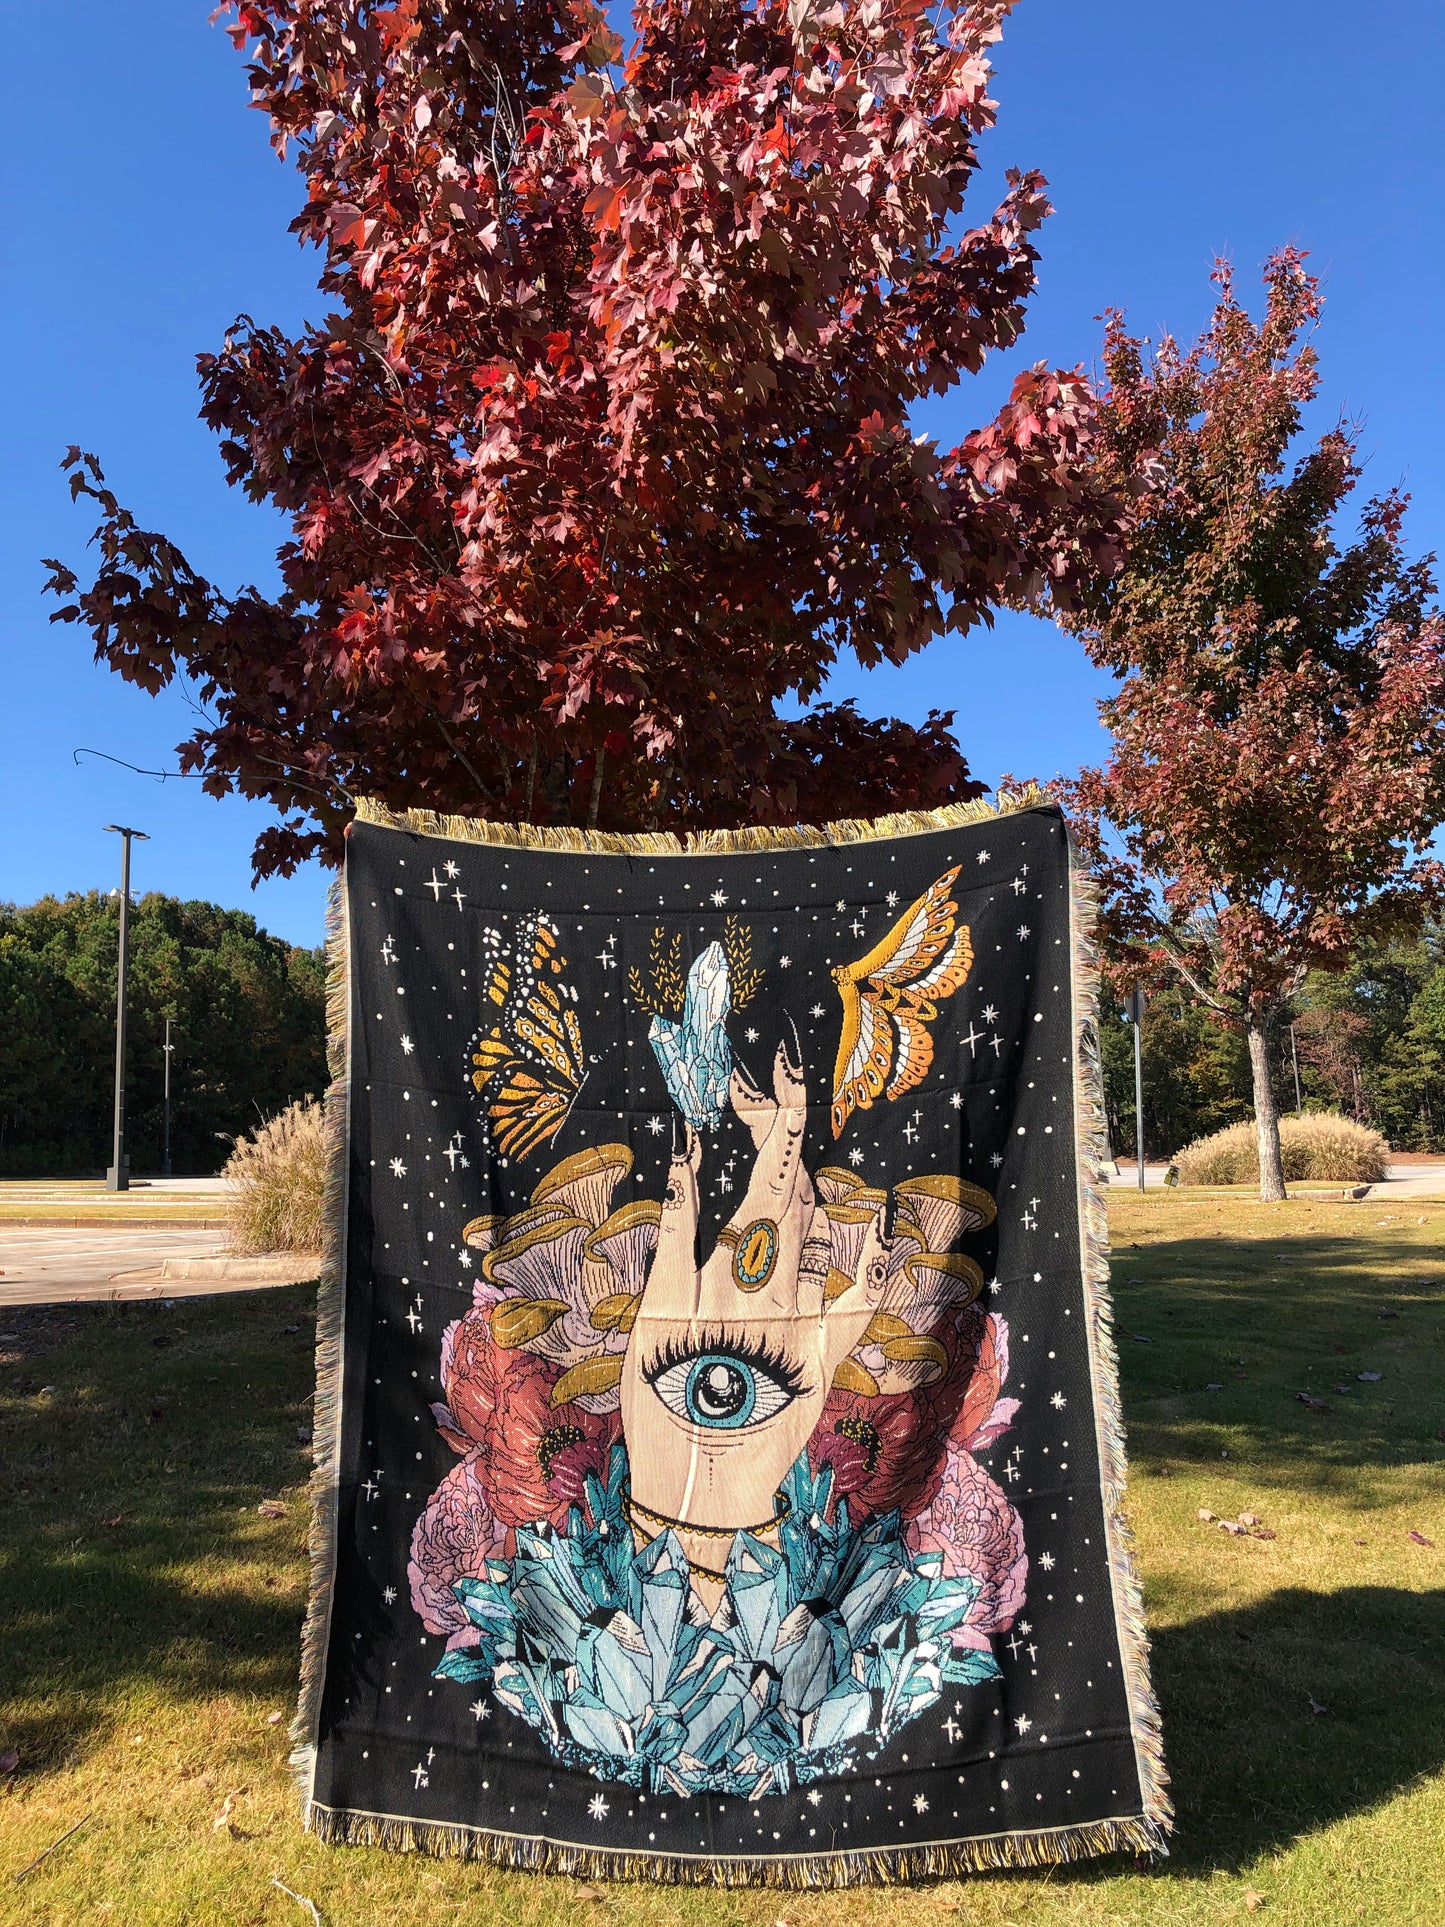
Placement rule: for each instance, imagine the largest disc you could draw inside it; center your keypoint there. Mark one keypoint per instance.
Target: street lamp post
(1134, 1014)
(117, 1178)
(167, 1047)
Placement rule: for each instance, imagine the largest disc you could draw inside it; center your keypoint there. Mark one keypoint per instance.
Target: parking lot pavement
(59, 1264)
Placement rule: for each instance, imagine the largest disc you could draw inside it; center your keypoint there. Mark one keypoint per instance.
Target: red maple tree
(604, 456)
(1278, 759)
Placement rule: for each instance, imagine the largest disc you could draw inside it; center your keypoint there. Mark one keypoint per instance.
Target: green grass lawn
(149, 1617)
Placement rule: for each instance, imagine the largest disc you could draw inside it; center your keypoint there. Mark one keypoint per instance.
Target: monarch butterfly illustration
(891, 996)
(530, 1054)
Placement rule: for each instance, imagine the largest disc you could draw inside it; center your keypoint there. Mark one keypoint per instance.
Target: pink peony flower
(972, 1523)
(452, 1540)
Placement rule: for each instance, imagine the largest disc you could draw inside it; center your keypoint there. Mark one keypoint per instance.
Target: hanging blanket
(719, 1459)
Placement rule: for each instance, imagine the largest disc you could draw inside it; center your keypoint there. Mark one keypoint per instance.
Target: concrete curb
(269, 1268)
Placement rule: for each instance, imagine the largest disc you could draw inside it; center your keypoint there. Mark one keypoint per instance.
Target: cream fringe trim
(1089, 1151)
(330, 1346)
(803, 836)
(868, 1866)
(1144, 1833)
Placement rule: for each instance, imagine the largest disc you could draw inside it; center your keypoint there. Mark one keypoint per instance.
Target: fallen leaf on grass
(111, 1522)
(9, 1762)
(1264, 1532)
(590, 1893)
(274, 1719)
(1312, 1403)
(1314, 1704)
(1387, 1313)
(1253, 1901)
(1140, 1339)
(1419, 1538)
(1249, 1518)
(1231, 1526)
(1343, 1390)
(1214, 1388)
(222, 1821)
(271, 1509)
(1369, 1378)
(1206, 1515)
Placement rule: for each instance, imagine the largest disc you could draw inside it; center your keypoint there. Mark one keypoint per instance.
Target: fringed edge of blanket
(330, 1321)
(1090, 1150)
(866, 1867)
(802, 836)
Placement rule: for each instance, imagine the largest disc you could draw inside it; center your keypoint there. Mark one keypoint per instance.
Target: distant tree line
(1370, 1041)
(247, 1019)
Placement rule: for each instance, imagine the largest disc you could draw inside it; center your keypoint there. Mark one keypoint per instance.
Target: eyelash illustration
(722, 1383)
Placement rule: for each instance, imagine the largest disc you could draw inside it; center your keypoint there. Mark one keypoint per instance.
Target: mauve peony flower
(452, 1540)
(973, 1525)
(885, 1451)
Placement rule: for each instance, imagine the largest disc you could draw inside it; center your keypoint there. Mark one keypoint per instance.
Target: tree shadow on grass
(1263, 1320)
(134, 1568)
(1253, 1765)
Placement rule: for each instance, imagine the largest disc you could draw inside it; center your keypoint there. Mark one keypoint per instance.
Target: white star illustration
(656, 1125)
(855, 1156)
(783, 962)
(1023, 931)
(398, 1169)
(956, 1100)
(1046, 1560)
(453, 870)
(816, 1011)
(990, 1015)
(480, 1711)
(389, 1595)
(464, 1259)
(407, 1045)
(597, 1807)
(1058, 1401)
(995, 1287)
(1025, 1628)
(1023, 1723)
(815, 1799)
(920, 1803)
(751, 1035)
(996, 1160)
(892, 899)
(719, 897)
(840, 905)
(983, 856)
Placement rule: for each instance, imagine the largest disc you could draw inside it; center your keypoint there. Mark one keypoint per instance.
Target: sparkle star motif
(597, 1807)
(990, 1014)
(453, 870)
(783, 962)
(952, 1728)
(479, 1711)
(413, 1320)
(857, 926)
(1023, 931)
(855, 1156)
(815, 1799)
(656, 1126)
(994, 1287)
(1046, 1560)
(816, 1011)
(389, 1595)
(1023, 1723)
(719, 898)
(464, 1259)
(1058, 1401)
(419, 1776)
(436, 886)
(920, 1803)
(1025, 1628)
(751, 1035)
(388, 950)
(911, 1132)
(398, 1169)
(407, 1045)
(983, 856)
(840, 905)
(996, 1159)
(892, 899)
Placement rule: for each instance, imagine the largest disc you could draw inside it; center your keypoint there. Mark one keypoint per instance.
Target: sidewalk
(67, 1264)
(1413, 1180)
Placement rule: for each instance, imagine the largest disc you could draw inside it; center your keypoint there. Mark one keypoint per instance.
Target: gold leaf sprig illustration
(738, 949)
(663, 990)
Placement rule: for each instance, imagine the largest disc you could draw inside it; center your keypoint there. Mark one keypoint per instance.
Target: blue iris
(720, 1390)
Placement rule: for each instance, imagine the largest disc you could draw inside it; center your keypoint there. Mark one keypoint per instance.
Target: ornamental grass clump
(1320, 1149)
(276, 1182)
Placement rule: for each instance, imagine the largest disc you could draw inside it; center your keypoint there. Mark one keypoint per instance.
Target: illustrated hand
(727, 1367)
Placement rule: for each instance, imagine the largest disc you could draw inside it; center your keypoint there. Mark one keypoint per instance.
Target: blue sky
(145, 210)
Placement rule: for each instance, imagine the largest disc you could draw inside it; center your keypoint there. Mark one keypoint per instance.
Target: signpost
(167, 1047)
(1134, 1014)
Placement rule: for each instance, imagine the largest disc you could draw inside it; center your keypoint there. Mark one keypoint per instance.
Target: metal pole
(1299, 1103)
(117, 1178)
(1134, 1014)
(166, 1153)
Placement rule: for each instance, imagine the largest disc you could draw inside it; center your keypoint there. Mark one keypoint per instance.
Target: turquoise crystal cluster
(694, 1056)
(819, 1651)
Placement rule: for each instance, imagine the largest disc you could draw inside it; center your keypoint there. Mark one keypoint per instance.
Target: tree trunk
(1266, 1118)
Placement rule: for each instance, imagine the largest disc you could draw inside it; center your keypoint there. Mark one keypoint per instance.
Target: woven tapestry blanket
(719, 1458)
